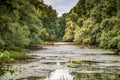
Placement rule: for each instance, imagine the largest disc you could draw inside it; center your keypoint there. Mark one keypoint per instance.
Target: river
(63, 61)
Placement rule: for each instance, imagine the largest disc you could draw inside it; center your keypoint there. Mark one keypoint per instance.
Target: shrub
(6, 56)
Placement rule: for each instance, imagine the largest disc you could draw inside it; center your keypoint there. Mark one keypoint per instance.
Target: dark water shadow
(33, 78)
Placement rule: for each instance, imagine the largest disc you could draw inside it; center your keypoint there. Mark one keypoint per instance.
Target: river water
(63, 61)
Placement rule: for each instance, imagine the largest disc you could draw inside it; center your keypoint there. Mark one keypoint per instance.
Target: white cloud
(61, 6)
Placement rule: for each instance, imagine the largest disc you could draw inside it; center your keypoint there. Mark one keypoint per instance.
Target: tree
(97, 23)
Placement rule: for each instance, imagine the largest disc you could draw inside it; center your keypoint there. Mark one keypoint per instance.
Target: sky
(61, 6)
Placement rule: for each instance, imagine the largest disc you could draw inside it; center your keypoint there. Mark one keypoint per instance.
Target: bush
(2, 43)
(16, 35)
(6, 56)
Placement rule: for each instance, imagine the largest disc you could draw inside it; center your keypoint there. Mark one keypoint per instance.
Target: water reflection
(88, 70)
(60, 74)
(84, 70)
(70, 62)
(64, 74)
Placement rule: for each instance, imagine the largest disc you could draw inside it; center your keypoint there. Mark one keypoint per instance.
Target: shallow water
(68, 62)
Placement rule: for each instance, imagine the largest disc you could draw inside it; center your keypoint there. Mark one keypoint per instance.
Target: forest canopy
(94, 22)
(91, 22)
(25, 22)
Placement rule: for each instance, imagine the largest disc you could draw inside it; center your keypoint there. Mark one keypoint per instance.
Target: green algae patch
(89, 75)
(77, 64)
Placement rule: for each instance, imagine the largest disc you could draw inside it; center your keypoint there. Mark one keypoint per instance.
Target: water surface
(64, 61)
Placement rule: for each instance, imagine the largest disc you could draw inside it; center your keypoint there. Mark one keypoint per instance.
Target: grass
(47, 43)
(6, 56)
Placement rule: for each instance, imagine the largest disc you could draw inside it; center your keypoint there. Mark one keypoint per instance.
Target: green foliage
(25, 22)
(2, 43)
(84, 34)
(110, 37)
(14, 35)
(61, 25)
(70, 31)
(98, 23)
(46, 43)
(6, 56)
(93, 22)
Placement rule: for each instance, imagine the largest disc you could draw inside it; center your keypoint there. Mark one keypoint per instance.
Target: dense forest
(94, 22)
(25, 22)
(91, 22)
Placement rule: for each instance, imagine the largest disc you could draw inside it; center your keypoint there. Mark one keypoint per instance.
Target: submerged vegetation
(86, 70)
(93, 76)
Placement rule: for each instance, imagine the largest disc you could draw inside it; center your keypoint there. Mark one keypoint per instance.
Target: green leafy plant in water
(75, 64)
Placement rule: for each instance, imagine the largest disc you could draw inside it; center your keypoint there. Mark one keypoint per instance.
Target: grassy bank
(47, 43)
(9, 56)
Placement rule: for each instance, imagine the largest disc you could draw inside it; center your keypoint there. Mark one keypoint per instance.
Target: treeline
(94, 22)
(25, 22)
(91, 22)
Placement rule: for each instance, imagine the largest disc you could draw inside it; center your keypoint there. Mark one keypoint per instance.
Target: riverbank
(10, 56)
